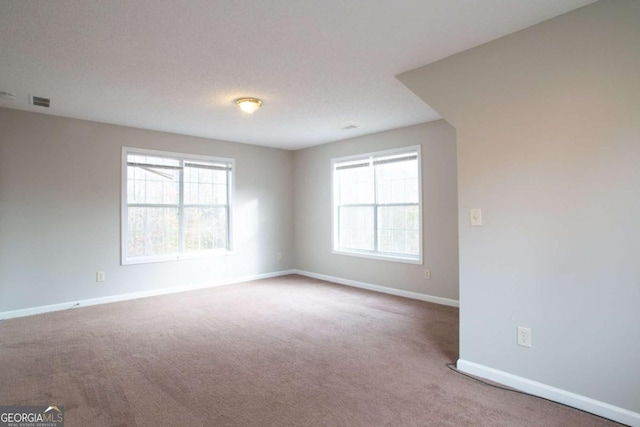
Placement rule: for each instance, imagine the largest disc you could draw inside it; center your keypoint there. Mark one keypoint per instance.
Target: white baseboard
(568, 398)
(378, 288)
(135, 295)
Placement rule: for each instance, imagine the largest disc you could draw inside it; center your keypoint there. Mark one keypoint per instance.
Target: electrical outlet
(427, 274)
(101, 276)
(524, 336)
(279, 256)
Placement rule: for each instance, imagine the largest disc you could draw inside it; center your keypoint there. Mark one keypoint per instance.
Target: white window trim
(334, 206)
(124, 260)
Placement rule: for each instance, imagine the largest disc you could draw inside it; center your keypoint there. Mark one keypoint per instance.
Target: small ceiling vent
(350, 126)
(39, 101)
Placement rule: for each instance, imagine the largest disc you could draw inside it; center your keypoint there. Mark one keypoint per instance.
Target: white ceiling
(178, 65)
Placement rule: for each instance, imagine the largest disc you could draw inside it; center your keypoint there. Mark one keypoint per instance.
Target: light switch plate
(475, 217)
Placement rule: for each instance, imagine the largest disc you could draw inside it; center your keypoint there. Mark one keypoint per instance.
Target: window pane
(205, 186)
(355, 185)
(397, 182)
(150, 183)
(398, 229)
(152, 231)
(356, 228)
(205, 228)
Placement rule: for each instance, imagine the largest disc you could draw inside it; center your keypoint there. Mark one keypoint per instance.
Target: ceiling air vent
(40, 102)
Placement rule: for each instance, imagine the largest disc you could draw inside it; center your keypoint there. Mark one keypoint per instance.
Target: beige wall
(60, 211)
(548, 134)
(313, 209)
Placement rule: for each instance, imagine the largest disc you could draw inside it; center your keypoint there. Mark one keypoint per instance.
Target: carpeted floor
(289, 351)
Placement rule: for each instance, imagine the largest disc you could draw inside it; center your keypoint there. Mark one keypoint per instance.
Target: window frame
(375, 254)
(124, 205)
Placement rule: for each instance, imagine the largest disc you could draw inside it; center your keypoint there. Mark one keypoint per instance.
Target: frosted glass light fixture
(249, 105)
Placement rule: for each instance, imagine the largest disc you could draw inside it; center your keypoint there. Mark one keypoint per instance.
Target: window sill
(381, 257)
(176, 257)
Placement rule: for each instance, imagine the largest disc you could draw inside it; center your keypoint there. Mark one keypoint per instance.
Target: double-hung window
(174, 205)
(377, 205)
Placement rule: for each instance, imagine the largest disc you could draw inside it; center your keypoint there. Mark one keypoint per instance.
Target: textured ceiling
(177, 65)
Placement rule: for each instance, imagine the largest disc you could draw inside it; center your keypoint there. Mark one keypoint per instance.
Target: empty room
(319, 213)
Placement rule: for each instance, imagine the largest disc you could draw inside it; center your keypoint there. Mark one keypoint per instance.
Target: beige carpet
(289, 351)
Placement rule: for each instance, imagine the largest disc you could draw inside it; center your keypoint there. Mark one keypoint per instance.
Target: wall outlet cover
(524, 336)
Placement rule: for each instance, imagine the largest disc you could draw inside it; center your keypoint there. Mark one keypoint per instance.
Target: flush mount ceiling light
(249, 105)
